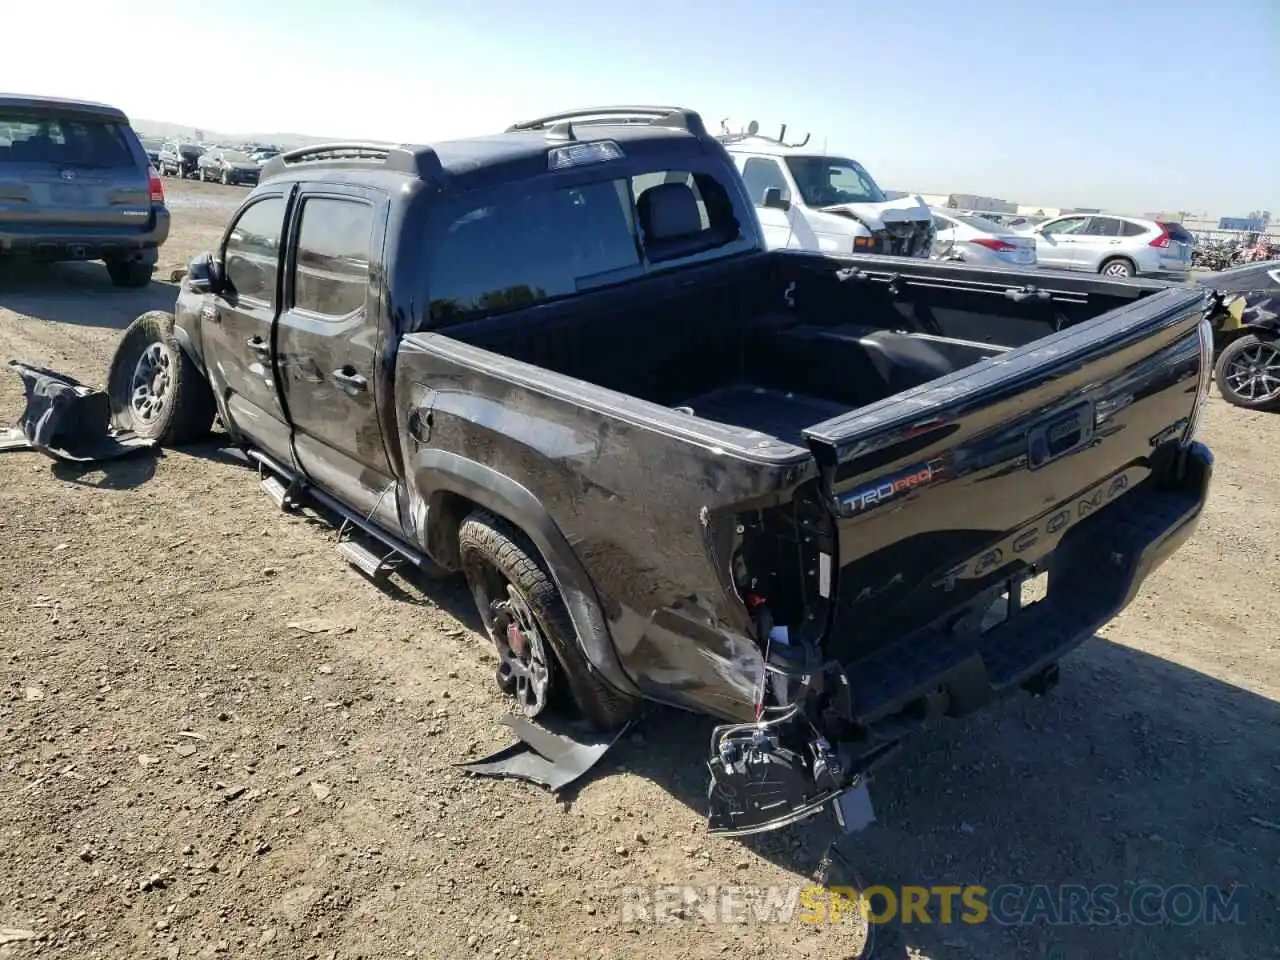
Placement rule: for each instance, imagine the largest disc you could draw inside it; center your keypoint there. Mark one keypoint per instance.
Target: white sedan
(974, 239)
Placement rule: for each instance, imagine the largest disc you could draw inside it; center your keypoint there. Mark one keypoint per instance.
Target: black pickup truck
(805, 494)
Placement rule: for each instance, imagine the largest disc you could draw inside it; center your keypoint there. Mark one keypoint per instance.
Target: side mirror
(204, 274)
(774, 200)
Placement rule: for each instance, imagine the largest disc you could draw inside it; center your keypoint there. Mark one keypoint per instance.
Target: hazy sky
(1130, 105)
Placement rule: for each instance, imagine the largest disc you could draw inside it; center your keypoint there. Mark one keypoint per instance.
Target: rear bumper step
(1095, 572)
(777, 771)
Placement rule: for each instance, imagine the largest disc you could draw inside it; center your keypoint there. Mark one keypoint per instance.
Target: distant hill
(163, 130)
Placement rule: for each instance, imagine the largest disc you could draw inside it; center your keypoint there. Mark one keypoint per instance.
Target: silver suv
(1113, 246)
(76, 184)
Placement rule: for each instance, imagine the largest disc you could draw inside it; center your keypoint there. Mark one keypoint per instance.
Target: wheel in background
(1248, 373)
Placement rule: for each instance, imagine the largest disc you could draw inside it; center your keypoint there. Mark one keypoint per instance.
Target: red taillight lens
(1161, 241)
(991, 243)
(156, 187)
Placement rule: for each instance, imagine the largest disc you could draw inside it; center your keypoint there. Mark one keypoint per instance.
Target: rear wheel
(129, 273)
(539, 660)
(155, 388)
(1118, 267)
(1248, 373)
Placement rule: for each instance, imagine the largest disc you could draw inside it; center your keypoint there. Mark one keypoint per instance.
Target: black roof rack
(559, 126)
(418, 161)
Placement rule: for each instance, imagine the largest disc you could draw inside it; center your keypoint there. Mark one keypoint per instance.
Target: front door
(327, 348)
(1055, 242)
(237, 324)
(761, 174)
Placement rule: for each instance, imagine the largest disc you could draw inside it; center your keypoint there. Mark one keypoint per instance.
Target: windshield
(827, 181)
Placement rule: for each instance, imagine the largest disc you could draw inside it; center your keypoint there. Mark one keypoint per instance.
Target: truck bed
(725, 343)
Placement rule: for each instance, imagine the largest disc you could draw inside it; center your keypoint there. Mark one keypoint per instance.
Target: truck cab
(811, 200)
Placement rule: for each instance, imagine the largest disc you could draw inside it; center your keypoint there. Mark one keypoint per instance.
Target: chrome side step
(386, 554)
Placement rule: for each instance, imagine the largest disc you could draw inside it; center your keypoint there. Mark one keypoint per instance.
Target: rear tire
(1248, 373)
(130, 273)
(156, 390)
(1119, 268)
(495, 552)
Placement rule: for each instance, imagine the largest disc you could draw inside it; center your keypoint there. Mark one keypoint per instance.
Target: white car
(811, 200)
(1113, 246)
(971, 238)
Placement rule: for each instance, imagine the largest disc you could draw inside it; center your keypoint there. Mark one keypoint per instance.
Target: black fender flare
(440, 473)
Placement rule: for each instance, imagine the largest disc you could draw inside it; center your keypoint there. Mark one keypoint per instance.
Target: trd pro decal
(882, 491)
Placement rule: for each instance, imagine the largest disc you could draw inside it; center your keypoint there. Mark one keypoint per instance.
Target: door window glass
(331, 276)
(761, 174)
(251, 255)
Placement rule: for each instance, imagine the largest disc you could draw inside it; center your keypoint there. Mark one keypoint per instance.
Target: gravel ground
(220, 741)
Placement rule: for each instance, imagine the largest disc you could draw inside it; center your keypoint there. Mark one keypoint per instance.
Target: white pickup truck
(811, 200)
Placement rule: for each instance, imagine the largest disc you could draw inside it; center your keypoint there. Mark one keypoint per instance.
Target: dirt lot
(220, 741)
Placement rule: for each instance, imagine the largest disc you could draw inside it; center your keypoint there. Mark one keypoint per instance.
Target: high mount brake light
(577, 154)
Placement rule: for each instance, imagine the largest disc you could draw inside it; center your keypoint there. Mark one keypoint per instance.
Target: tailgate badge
(887, 488)
(68, 174)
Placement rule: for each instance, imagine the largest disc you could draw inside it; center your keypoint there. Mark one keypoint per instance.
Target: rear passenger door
(327, 347)
(1097, 241)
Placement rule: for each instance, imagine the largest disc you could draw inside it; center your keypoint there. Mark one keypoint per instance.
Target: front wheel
(156, 390)
(539, 660)
(1248, 373)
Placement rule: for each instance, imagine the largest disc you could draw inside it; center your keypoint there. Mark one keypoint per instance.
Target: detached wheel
(539, 661)
(129, 273)
(1119, 268)
(155, 388)
(1248, 373)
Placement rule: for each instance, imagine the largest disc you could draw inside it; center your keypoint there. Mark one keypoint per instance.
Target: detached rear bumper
(773, 773)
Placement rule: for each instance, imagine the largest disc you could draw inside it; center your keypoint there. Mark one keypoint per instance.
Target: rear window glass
(1178, 232)
(980, 223)
(27, 137)
(521, 244)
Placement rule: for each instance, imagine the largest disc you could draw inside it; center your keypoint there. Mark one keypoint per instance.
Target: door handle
(350, 380)
(258, 345)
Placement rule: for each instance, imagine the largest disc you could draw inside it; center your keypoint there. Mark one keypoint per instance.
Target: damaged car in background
(1246, 327)
(811, 200)
(807, 494)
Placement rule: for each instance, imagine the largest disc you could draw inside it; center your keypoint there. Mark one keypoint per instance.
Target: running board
(286, 498)
(366, 561)
(362, 558)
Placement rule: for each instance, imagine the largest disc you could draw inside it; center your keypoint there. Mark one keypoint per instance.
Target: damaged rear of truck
(828, 500)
